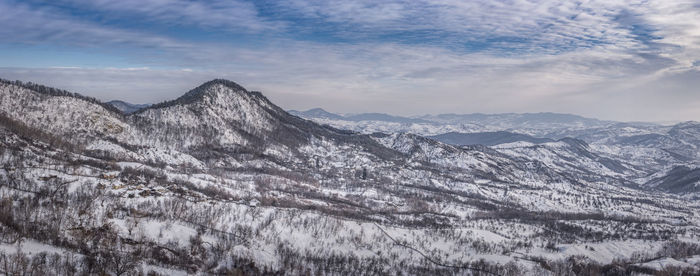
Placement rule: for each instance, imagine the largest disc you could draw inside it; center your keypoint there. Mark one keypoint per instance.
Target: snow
(664, 263)
(30, 247)
(442, 200)
(163, 271)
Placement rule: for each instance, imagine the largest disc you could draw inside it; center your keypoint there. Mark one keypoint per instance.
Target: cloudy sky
(610, 59)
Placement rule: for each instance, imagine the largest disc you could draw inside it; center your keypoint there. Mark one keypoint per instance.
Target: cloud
(36, 26)
(521, 26)
(232, 15)
(48, 27)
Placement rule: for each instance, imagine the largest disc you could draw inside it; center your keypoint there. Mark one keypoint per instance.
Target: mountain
(127, 108)
(649, 150)
(657, 148)
(320, 114)
(316, 113)
(679, 180)
(533, 124)
(577, 158)
(61, 113)
(383, 118)
(223, 181)
(486, 138)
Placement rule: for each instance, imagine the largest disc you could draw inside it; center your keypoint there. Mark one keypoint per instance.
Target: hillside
(221, 180)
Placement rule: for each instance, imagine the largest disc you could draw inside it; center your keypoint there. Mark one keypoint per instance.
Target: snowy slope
(221, 180)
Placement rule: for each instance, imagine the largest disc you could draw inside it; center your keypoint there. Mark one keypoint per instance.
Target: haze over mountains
(221, 180)
(539, 124)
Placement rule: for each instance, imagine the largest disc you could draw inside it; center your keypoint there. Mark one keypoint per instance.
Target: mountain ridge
(51, 91)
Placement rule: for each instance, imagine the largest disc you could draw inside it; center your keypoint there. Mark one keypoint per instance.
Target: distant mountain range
(547, 118)
(319, 113)
(537, 124)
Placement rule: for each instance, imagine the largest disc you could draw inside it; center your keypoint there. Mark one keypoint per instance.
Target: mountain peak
(228, 83)
(317, 109)
(200, 91)
(317, 113)
(206, 88)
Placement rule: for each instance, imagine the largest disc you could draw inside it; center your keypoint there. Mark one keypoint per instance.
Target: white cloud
(230, 14)
(27, 25)
(533, 26)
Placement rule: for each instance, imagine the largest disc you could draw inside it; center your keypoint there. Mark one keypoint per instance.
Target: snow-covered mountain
(221, 181)
(316, 113)
(652, 149)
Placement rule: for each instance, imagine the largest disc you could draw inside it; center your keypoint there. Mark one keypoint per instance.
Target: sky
(611, 59)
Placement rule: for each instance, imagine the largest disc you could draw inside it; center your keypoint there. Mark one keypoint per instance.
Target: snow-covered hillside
(223, 181)
(650, 154)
